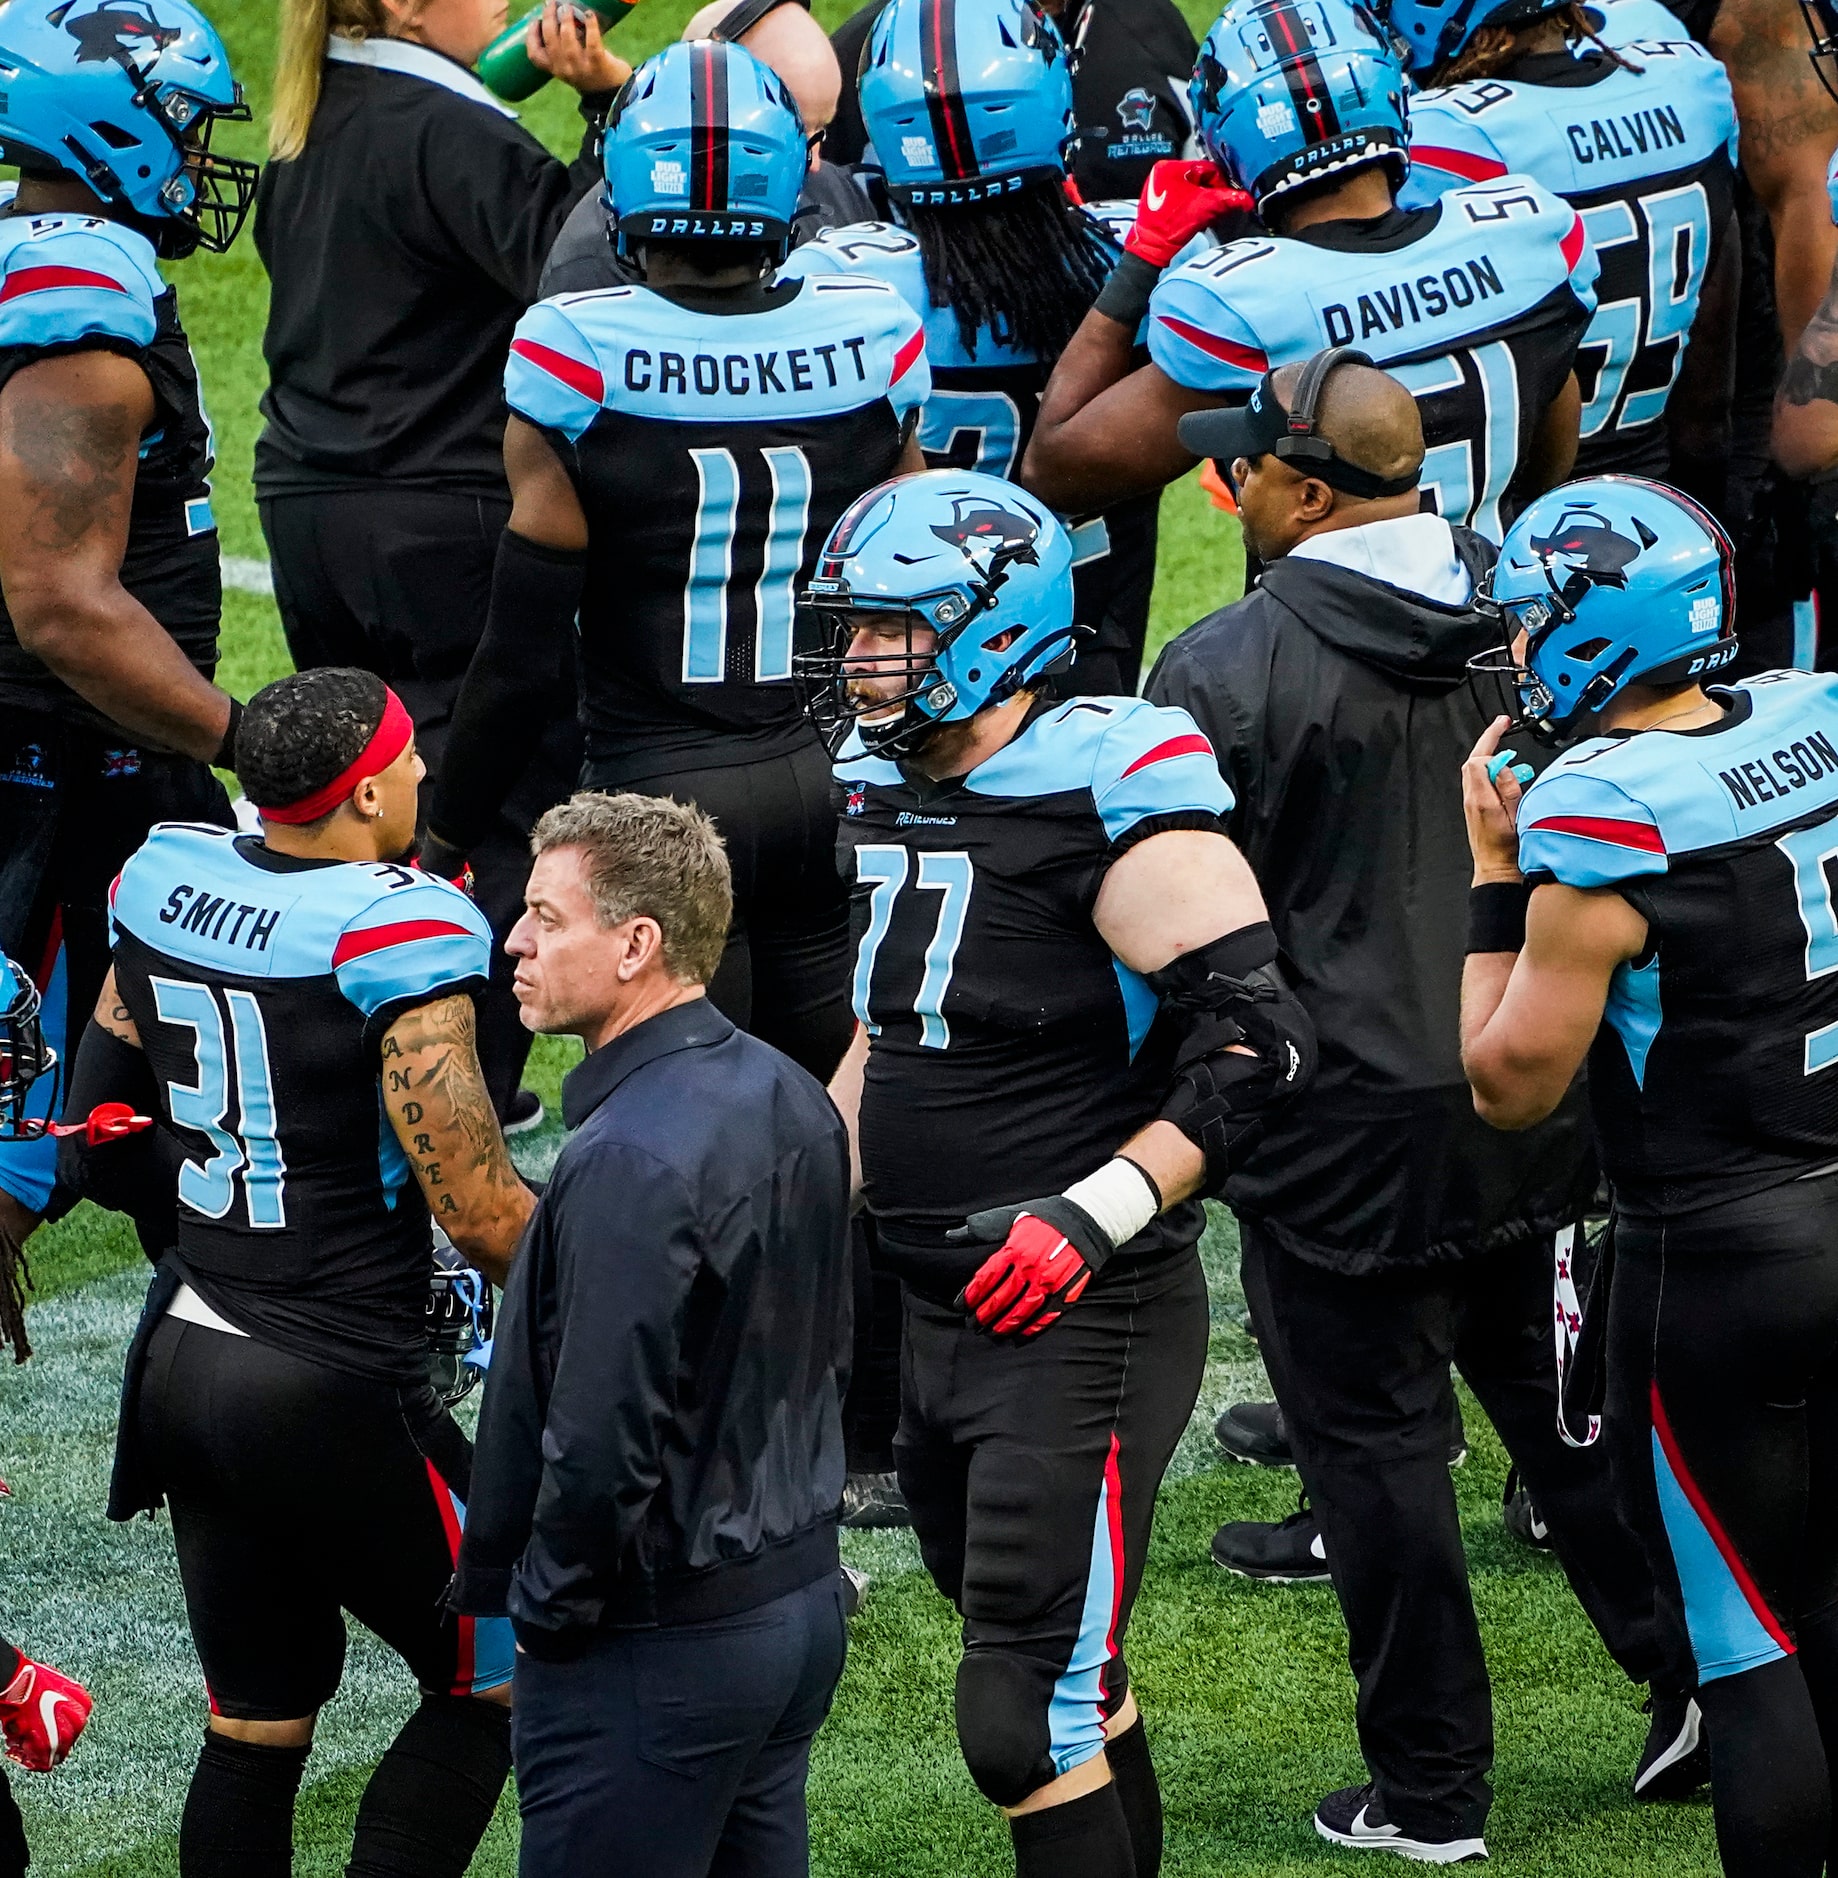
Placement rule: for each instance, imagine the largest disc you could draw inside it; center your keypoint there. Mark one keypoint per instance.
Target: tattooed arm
(70, 431)
(435, 1094)
(1806, 403)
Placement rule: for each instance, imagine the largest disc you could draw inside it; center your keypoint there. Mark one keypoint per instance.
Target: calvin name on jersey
(1012, 1052)
(1476, 303)
(262, 987)
(1715, 1073)
(713, 448)
(1647, 151)
(73, 283)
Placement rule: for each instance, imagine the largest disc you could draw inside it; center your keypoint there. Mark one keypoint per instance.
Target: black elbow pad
(1232, 992)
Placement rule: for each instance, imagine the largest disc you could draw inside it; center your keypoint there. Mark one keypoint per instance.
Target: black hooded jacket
(1341, 710)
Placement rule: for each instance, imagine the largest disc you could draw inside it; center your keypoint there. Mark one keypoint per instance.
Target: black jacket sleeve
(1224, 694)
(139, 1174)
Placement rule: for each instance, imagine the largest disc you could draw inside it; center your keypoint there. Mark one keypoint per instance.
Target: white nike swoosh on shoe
(1317, 1549)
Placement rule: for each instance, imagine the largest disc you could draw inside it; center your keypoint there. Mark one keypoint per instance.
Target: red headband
(387, 742)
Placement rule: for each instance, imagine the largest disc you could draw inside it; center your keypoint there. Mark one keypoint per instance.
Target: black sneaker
(1354, 1818)
(1288, 1553)
(1520, 1517)
(1675, 1762)
(874, 1500)
(1254, 1432)
(524, 1113)
(1458, 1437)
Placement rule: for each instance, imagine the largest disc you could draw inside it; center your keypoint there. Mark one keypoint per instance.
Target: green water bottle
(506, 67)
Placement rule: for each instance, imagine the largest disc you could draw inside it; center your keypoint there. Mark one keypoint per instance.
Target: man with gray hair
(660, 1459)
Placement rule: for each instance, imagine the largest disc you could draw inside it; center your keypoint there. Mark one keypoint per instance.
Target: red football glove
(1178, 201)
(41, 1714)
(1048, 1252)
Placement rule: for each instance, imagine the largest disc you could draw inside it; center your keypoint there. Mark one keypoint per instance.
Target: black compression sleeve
(138, 1174)
(521, 678)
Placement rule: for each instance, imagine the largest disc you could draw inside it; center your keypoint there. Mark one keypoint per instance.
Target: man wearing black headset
(1385, 1230)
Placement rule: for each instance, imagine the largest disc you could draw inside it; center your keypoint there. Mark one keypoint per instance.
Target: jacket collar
(691, 1026)
(413, 61)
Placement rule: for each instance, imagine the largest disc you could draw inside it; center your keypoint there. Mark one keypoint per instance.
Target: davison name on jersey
(1647, 151)
(713, 446)
(1012, 1052)
(1476, 303)
(262, 987)
(78, 283)
(1715, 1073)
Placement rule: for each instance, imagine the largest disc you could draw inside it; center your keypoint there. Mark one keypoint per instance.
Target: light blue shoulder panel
(66, 278)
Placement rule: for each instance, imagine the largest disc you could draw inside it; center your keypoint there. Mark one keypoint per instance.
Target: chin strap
(107, 1121)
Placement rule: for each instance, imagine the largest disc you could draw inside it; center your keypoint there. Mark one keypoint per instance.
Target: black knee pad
(1002, 1728)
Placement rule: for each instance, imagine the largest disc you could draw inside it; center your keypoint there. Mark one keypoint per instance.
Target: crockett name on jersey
(262, 988)
(1476, 303)
(1647, 151)
(714, 442)
(1715, 1073)
(80, 283)
(1011, 1052)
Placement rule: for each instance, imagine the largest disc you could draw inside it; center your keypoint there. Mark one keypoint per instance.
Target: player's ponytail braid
(305, 26)
(1028, 266)
(1494, 49)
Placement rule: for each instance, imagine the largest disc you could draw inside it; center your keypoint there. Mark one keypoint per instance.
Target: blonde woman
(403, 221)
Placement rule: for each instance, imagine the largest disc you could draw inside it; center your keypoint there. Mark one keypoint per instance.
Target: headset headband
(743, 18)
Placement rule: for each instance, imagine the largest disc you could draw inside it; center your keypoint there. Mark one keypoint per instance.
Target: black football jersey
(262, 988)
(1715, 1073)
(1011, 1052)
(714, 441)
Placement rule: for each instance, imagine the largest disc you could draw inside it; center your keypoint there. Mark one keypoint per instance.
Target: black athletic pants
(785, 974)
(1722, 1417)
(1361, 1369)
(1031, 1470)
(74, 805)
(1111, 597)
(397, 582)
(679, 1751)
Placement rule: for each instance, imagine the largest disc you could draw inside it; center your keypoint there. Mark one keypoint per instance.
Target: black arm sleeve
(139, 1174)
(521, 678)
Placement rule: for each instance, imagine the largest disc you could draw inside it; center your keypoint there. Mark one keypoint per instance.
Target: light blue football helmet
(971, 558)
(704, 143)
(123, 94)
(1286, 92)
(966, 99)
(1428, 32)
(1614, 580)
(24, 1054)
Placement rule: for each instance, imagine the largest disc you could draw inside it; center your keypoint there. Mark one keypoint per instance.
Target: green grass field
(1246, 1688)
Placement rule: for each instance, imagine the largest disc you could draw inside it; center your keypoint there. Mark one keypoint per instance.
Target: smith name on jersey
(77, 283)
(1476, 303)
(714, 444)
(1012, 1053)
(262, 987)
(1715, 1073)
(1646, 150)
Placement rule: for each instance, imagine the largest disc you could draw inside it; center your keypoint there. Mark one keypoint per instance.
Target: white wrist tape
(1119, 1196)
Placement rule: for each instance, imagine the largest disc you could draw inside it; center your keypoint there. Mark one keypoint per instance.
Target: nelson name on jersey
(1775, 776)
(1413, 302)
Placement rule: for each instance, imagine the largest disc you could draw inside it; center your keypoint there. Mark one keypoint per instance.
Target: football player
(1070, 1021)
(108, 551)
(1659, 903)
(297, 1009)
(1642, 141)
(969, 113)
(1476, 303)
(677, 452)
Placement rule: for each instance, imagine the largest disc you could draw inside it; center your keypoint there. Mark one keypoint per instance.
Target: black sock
(1769, 1790)
(14, 1857)
(1086, 1838)
(239, 1815)
(433, 1794)
(1132, 1773)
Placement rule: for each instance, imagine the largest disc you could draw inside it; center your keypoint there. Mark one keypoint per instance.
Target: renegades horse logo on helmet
(1598, 552)
(107, 32)
(986, 533)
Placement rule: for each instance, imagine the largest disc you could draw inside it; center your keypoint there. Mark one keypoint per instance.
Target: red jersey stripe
(904, 359)
(1573, 243)
(1619, 834)
(576, 374)
(44, 279)
(1476, 169)
(1246, 358)
(1192, 744)
(357, 945)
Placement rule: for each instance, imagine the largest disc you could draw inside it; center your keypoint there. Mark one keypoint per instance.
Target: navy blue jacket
(661, 1440)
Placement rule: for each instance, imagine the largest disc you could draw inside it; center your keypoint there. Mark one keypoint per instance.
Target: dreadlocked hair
(1027, 266)
(15, 1282)
(1494, 48)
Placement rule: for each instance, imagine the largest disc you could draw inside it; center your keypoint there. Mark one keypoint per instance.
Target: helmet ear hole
(1589, 651)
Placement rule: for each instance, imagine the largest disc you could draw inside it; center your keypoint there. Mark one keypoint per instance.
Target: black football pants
(1722, 1419)
(1111, 596)
(397, 582)
(1361, 1369)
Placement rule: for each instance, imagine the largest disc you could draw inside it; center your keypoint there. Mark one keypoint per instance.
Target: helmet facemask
(24, 1054)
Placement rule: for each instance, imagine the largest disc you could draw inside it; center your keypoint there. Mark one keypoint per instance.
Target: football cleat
(42, 1712)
